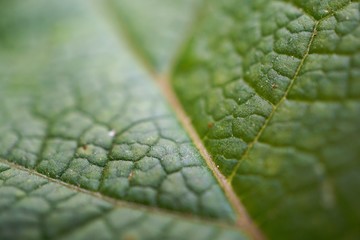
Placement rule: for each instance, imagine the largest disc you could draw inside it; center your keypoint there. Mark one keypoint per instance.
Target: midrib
(162, 80)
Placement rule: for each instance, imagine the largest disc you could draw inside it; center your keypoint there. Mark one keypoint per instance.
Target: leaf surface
(36, 207)
(78, 108)
(259, 136)
(274, 95)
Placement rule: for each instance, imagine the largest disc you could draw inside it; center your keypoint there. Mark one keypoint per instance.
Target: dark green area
(273, 89)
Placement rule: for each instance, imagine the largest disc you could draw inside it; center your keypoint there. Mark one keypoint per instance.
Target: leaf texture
(95, 144)
(79, 108)
(34, 207)
(274, 95)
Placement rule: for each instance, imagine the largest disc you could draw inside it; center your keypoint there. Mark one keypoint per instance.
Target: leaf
(274, 95)
(95, 144)
(146, 27)
(78, 108)
(35, 207)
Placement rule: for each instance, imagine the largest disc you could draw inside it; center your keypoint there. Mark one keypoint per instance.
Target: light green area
(31, 207)
(77, 107)
(145, 21)
(273, 89)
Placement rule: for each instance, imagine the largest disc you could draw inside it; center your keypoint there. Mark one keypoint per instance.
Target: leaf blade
(84, 111)
(56, 211)
(266, 94)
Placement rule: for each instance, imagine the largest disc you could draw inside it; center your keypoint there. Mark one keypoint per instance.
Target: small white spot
(112, 133)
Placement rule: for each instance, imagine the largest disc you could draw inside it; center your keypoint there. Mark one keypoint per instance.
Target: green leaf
(274, 95)
(35, 207)
(259, 136)
(145, 22)
(78, 108)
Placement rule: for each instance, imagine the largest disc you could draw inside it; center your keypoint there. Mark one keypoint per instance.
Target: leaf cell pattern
(278, 87)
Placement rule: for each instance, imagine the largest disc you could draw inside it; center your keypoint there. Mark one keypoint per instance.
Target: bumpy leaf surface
(274, 94)
(91, 148)
(35, 207)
